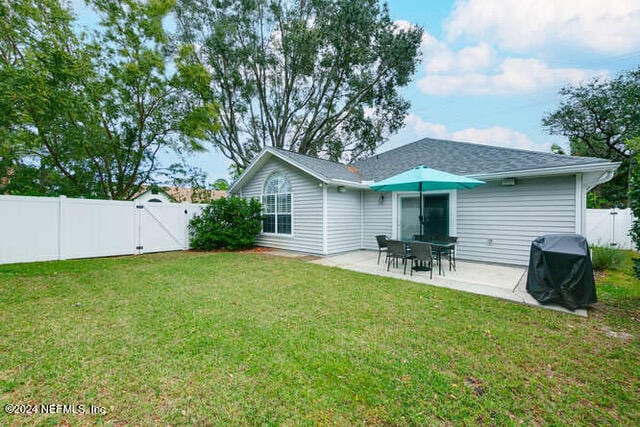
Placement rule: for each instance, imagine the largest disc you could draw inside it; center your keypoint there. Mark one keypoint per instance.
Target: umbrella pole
(421, 218)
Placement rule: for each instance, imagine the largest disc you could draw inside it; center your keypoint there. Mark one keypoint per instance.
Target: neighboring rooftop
(462, 158)
(182, 194)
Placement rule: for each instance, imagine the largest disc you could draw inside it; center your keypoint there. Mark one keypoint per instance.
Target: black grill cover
(560, 271)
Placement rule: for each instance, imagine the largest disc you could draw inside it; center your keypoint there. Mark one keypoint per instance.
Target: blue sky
(491, 69)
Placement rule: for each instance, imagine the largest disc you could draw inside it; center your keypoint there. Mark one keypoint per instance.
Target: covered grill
(560, 271)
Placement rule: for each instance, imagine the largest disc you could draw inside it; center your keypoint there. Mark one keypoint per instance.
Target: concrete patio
(499, 281)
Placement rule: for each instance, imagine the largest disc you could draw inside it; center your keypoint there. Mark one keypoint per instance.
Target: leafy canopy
(598, 118)
(319, 77)
(89, 115)
(634, 191)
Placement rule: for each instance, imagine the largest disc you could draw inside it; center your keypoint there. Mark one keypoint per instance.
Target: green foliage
(598, 118)
(228, 223)
(221, 184)
(634, 190)
(96, 109)
(613, 193)
(606, 258)
(317, 77)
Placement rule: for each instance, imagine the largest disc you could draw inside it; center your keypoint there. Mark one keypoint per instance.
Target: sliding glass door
(409, 213)
(435, 213)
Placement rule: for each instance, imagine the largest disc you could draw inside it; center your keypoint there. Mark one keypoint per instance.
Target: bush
(228, 223)
(634, 190)
(604, 258)
(636, 267)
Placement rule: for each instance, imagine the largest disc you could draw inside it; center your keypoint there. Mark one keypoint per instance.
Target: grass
(606, 258)
(184, 338)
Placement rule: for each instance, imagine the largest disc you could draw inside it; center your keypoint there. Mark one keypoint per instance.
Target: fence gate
(609, 227)
(163, 226)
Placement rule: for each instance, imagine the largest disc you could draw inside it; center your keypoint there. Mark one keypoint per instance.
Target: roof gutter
(560, 170)
(346, 183)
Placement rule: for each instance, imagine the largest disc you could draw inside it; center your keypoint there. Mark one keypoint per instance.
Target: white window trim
(453, 208)
(262, 194)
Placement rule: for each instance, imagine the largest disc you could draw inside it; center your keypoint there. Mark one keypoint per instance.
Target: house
(324, 207)
(176, 195)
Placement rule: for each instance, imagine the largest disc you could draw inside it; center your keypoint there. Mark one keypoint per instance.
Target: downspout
(583, 186)
(325, 219)
(361, 219)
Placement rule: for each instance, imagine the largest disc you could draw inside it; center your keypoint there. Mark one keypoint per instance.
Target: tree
(598, 118)
(40, 61)
(556, 149)
(319, 77)
(221, 184)
(98, 110)
(634, 192)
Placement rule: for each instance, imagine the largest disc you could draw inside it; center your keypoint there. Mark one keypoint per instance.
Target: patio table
(440, 247)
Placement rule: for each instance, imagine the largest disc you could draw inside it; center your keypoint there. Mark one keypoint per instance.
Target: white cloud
(498, 136)
(420, 128)
(512, 76)
(416, 128)
(605, 26)
(477, 70)
(439, 58)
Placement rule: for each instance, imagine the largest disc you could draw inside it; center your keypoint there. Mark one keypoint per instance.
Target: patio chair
(421, 253)
(450, 255)
(382, 246)
(396, 250)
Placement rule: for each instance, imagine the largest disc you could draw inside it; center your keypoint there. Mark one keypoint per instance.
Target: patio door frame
(453, 209)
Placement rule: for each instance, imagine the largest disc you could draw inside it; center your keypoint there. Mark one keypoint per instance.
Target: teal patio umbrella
(423, 178)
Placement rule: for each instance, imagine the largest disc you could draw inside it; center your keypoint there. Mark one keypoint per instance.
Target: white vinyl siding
(377, 218)
(344, 220)
(497, 223)
(306, 209)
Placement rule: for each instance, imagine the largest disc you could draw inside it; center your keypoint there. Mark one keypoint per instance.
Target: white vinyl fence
(51, 228)
(609, 227)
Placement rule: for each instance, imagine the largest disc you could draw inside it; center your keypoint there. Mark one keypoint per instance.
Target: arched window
(276, 201)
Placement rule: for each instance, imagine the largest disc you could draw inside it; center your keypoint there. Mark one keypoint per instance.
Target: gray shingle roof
(326, 168)
(462, 158)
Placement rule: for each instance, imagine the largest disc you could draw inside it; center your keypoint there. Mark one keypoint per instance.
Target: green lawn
(246, 338)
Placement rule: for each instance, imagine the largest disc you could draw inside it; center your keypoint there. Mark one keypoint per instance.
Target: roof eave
(346, 183)
(559, 170)
(268, 150)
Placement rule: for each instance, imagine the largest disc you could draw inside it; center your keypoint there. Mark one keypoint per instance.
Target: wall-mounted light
(381, 199)
(508, 181)
(341, 189)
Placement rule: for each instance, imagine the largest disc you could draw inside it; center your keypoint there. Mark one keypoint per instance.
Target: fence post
(61, 213)
(613, 214)
(185, 205)
(138, 207)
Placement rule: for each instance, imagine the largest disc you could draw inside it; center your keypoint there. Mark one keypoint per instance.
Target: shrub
(604, 258)
(228, 223)
(634, 189)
